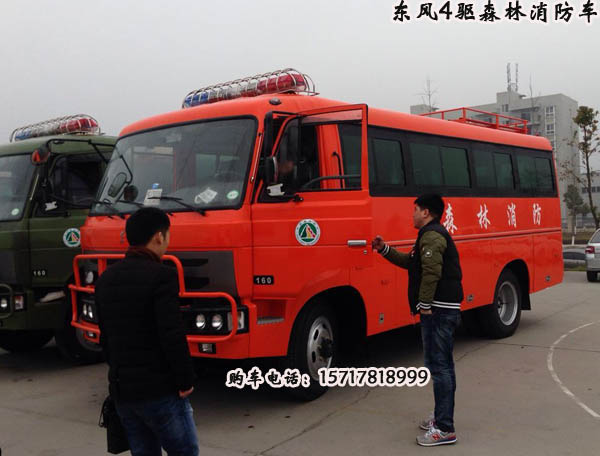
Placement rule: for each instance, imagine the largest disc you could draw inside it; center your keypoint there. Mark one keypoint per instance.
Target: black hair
(433, 202)
(145, 223)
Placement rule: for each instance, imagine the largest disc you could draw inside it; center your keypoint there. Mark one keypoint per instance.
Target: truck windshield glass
(15, 180)
(203, 165)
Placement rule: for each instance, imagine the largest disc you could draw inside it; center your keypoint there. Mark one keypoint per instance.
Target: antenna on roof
(512, 86)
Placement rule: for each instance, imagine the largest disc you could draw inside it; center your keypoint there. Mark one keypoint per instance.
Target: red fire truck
(274, 194)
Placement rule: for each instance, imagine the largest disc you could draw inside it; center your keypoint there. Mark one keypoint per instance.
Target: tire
(501, 318)
(24, 341)
(592, 276)
(71, 343)
(313, 345)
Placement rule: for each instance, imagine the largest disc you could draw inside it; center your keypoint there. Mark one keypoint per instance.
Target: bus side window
(426, 164)
(543, 170)
(386, 165)
(527, 173)
(485, 171)
(437, 166)
(504, 171)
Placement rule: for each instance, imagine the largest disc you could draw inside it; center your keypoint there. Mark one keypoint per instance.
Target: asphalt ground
(535, 393)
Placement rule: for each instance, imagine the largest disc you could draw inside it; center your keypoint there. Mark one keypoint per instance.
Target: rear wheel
(502, 317)
(592, 276)
(24, 341)
(313, 346)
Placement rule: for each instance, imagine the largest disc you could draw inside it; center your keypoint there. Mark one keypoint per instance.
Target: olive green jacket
(432, 247)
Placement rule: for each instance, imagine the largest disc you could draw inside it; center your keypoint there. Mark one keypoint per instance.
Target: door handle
(357, 243)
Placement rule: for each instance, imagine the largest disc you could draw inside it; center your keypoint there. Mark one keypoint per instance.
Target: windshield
(15, 180)
(201, 165)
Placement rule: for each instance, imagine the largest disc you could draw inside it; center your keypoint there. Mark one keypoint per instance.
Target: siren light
(287, 80)
(79, 123)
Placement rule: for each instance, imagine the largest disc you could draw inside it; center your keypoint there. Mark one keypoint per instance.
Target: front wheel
(313, 346)
(24, 341)
(592, 276)
(501, 318)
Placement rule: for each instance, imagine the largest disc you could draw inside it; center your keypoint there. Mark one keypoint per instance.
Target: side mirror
(130, 193)
(40, 155)
(117, 185)
(270, 170)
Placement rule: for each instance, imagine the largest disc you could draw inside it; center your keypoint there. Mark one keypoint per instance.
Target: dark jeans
(167, 422)
(437, 331)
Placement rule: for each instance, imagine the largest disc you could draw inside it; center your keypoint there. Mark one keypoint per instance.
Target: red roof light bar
(286, 80)
(79, 123)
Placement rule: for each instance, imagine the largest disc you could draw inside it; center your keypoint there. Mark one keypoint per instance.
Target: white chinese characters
(537, 214)
(511, 211)
(449, 222)
(482, 215)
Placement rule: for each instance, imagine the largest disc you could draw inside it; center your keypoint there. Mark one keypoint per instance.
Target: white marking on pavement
(557, 380)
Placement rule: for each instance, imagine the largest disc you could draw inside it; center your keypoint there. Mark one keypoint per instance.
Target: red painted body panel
(262, 235)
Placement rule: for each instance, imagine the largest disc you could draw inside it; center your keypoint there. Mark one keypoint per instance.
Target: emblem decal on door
(72, 237)
(308, 232)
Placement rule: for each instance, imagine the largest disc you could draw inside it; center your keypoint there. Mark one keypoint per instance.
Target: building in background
(550, 116)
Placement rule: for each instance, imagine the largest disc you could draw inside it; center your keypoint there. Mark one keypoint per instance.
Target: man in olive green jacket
(435, 292)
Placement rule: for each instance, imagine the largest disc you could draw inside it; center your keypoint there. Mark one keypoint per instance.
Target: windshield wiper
(180, 201)
(110, 206)
(135, 203)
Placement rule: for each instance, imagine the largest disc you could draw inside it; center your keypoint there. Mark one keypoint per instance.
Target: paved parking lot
(535, 393)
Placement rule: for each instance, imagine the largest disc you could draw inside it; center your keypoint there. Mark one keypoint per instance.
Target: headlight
(19, 302)
(89, 277)
(3, 304)
(217, 321)
(200, 321)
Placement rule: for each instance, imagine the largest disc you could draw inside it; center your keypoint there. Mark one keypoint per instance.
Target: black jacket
(142, 333)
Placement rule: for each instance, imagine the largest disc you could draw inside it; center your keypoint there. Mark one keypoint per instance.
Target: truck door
(61, 208)
(312, 227)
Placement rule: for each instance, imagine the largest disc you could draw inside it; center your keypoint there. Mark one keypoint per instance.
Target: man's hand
(184, 394)
(378, 243)
(425, 312)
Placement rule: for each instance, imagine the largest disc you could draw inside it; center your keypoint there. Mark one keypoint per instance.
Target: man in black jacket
(435, 292)
(150, 370)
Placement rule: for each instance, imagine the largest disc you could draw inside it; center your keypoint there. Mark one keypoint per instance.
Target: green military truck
(49, 174)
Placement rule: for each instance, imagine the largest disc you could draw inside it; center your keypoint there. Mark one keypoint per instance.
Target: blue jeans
(167, 422)
(437, 331)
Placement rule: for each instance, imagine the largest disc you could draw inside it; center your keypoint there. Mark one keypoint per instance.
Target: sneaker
(428, 422)
(434, 437)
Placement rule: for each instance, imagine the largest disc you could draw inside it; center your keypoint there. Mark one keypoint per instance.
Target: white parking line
(557, 380)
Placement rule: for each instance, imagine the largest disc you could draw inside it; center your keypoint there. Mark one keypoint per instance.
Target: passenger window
(386, 163)
(484, 169)
(544, 174)
(527, 172)
(455, 166)
(427, 168)
(504, 171)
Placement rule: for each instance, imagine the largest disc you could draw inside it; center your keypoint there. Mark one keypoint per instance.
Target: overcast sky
(123, 60)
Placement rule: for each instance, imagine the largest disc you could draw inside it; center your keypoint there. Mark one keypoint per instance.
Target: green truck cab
(49, 174)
